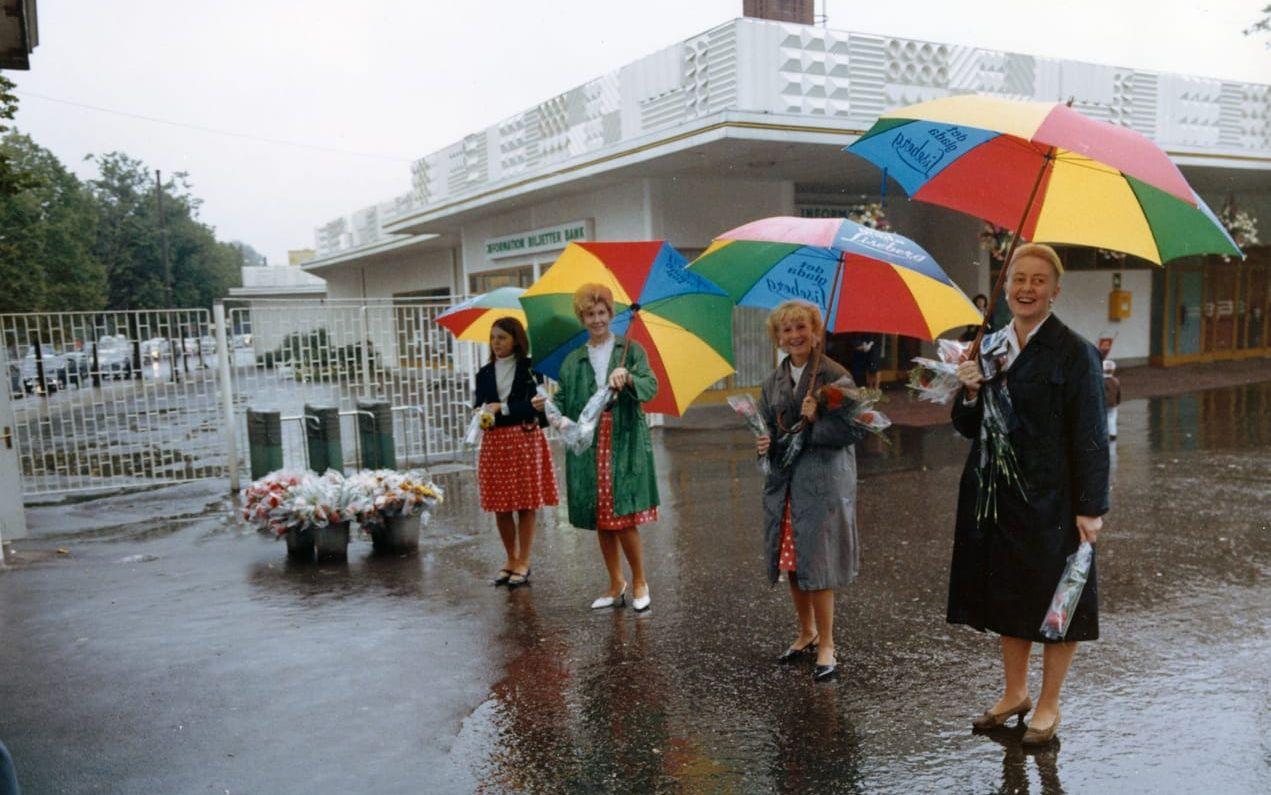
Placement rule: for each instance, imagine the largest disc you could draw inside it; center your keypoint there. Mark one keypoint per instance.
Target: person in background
(1111, 396)
(514, 468)
(981, 303)
(867, 351)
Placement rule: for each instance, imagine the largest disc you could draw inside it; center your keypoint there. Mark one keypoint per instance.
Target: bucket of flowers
(401, 503)
(313, 513)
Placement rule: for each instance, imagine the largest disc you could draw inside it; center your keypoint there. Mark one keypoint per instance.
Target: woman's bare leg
(609, 551)
(1056, 657)
(526, 524)
(803, 609)
(634, 552)
(823, 611)
(1015, 668)
(506, 523)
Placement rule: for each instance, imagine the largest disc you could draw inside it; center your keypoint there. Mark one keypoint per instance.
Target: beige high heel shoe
(1041, 736)
(996, 720)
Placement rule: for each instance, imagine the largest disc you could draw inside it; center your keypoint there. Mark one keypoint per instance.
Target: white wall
(1083, 306)
(386, 274)
(689, 212)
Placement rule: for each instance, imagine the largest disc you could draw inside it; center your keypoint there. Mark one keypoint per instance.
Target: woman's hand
(762, 443)
(971, 377)
(809, 409)
(619, 378)
(492, 408)
(1088, 527)
(538, 401)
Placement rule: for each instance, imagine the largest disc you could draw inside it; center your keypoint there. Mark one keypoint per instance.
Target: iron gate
(336, 352)
(104, 400)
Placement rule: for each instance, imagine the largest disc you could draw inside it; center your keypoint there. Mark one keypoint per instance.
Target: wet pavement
(169, 651)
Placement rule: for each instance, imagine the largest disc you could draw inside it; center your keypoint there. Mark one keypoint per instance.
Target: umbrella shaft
(1010, 252)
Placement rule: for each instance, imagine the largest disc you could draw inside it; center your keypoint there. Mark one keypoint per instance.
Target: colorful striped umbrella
(1047, 172)
(862, 279)
(684, 322)
(472, 319)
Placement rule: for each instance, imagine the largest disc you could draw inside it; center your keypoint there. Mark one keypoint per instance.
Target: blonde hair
(591, 294)
(1042, 252)
(792, 310)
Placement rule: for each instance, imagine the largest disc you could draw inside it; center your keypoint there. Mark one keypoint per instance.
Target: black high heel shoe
(792, 654)
(824, 673)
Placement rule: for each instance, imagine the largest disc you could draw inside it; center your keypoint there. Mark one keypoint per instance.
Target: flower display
(996, 240)
(288, 500)
(394, 493)
(871, 215)
(1240, 224)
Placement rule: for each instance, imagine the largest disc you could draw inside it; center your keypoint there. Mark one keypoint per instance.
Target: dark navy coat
(524, 387)
(1004, 570)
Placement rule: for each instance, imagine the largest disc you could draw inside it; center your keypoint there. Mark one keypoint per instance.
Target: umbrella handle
(1010, 252)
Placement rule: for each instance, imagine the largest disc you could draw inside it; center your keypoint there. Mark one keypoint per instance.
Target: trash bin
(376, 434)
(323, 435)
(264, 441)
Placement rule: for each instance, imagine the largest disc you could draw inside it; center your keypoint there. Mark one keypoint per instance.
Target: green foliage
(47, 229)
(130, 239)
(12, 179)
(314, 358)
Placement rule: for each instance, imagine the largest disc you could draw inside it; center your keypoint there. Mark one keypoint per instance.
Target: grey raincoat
(821, 484)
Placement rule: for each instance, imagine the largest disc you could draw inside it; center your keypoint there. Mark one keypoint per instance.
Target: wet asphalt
(169, 651)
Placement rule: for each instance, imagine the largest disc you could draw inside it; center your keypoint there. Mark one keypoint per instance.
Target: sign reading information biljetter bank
(551, 238)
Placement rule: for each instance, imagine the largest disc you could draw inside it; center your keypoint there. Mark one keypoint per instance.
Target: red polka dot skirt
(514, 469)
(605, 520)
(786, 558)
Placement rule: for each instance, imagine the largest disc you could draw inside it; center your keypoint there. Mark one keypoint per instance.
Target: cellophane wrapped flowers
(748, 410)
(394, 493)
(1071, 583)
(937, 381)
(263, 499)
(578, 436)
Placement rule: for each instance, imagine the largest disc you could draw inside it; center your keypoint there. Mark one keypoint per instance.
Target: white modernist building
(749, 120)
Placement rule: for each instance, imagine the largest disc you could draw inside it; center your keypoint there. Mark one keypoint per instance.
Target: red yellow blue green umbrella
(862, 279)
(683, 322)
(1047, 172)
(472, 319)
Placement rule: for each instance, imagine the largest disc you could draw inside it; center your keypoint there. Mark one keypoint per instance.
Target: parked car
(54, 372)
(114, 357)
(79, 366)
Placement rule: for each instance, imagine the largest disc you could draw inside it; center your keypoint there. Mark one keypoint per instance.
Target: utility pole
(163, 240)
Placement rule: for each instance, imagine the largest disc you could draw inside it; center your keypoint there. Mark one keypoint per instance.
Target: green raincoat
(635, 485)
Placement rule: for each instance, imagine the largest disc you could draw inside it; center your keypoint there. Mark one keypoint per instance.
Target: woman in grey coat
(809, 506)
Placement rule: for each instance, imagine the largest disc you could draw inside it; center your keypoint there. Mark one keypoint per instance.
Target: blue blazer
(524, 387)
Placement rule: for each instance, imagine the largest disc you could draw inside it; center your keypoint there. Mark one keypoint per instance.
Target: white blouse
(504, 378)
(600, 356)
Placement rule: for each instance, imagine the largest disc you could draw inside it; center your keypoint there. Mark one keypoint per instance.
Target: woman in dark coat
(514, 467)
(1006, 566)
(810, 508)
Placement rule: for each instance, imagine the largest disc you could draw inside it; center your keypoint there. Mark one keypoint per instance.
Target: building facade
(748, 120)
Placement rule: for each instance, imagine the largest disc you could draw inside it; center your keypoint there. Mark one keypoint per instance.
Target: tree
(11, 178)
(130, 237)
(1263, 25)
(47, 231)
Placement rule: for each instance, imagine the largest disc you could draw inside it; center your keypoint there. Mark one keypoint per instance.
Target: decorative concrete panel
(809, 71)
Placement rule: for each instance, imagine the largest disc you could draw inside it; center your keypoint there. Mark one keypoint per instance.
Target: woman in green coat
(612, 485)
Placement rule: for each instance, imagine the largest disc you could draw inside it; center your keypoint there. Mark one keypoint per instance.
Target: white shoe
(611, 601)
(641, 603)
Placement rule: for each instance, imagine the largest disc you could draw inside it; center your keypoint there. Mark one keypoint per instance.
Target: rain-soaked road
(170, 652)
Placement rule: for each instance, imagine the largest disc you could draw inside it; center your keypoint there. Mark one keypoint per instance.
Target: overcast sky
(398, 79)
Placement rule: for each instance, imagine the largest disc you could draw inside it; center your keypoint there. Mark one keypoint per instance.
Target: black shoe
(792, 654)
(824, 673)
(517, 580)
(502, 579)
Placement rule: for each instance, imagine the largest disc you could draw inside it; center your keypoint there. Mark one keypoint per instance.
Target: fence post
(366, 354)
(229, 426)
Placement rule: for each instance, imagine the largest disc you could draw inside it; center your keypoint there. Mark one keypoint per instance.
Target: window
(484, 282)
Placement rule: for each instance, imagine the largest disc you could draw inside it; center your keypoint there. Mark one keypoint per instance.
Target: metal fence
(335, 353)
(104, 400)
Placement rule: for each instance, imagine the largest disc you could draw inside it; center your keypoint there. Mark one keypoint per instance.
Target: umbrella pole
(1010, 252)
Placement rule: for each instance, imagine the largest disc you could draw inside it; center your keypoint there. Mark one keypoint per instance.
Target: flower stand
(332, 541)
(398, 533)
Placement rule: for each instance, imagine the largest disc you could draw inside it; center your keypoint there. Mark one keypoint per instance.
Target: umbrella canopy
(1047, 172)
(862, 279)
(684, 322)
(472, 319)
